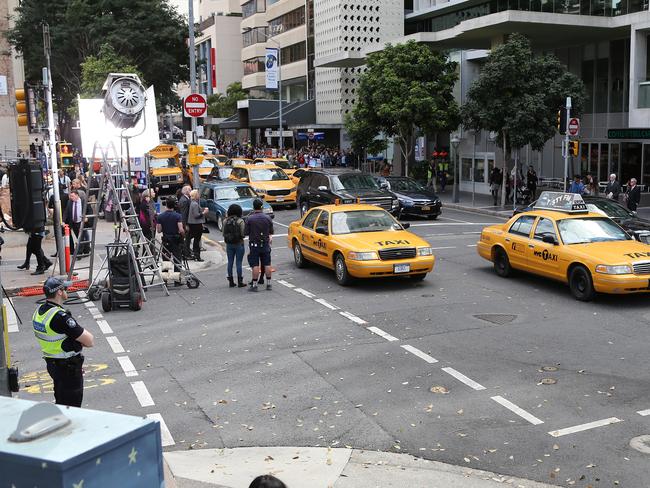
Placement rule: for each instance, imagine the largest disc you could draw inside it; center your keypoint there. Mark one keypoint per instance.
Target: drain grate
(496, 318)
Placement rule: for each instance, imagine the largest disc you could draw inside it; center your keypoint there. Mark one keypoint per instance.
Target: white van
(209, 147)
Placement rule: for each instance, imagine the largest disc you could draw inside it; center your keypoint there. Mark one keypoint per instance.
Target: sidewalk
(321, 467)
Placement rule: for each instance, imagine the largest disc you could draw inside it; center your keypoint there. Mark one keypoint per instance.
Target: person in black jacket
(184, 210)
(613, 189)
(633, 195)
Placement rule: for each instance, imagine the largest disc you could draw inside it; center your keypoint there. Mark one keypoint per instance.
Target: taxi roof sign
(561, 202)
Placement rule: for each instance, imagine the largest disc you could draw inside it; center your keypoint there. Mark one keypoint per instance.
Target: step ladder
(110, 184)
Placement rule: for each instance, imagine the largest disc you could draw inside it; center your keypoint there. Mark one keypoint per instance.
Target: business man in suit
(633, 195)
(73, 215)
(613, 189)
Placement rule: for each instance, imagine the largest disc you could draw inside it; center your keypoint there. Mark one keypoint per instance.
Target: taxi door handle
(532, 246)
(507, 239)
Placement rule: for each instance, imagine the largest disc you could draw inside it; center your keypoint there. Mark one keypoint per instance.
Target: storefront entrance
(626, 159)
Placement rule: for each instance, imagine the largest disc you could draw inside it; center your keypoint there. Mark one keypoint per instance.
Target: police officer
(170, 225)
(61, 339)
(259, 229)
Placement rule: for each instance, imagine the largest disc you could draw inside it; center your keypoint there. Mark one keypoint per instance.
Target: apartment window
(288, 21)
(254, 36)
(254, 65)
(293, 53)
(253, 7)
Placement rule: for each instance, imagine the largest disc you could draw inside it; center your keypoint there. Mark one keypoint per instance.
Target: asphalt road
(453, 368)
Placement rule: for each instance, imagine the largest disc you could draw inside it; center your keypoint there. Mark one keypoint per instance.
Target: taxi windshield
(363, 221)
(280, 163)
(586, 230)
(221, 158)
(234, 193)
(268, 174)
(162, 163)
(207, 163)
(354, 182)
(404, 184)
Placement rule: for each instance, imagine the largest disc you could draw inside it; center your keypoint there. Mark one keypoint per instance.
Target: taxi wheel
(298, 257)
(341, 270)
(581, 284)
(501, 263)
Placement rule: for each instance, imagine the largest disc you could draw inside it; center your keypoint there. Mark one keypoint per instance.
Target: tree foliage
(95, 69)
(518, 94)
(150, 34)
(220, 105)
(406, 88)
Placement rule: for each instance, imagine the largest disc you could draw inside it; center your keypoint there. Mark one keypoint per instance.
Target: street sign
(574, 127)
(195, 105)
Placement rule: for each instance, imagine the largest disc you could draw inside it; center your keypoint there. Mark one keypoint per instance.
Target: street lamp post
(455, 141)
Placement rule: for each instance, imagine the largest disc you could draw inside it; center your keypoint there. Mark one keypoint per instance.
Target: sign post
(565, 146)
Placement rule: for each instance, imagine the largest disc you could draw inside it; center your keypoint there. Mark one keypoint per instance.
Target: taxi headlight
(260, 190)
(614, 270)
(425, 251)
(362, 256)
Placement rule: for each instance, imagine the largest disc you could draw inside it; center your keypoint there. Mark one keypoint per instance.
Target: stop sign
(195, 105)
(574, 126)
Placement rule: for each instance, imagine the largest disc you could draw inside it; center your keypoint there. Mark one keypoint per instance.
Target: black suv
(324, 186)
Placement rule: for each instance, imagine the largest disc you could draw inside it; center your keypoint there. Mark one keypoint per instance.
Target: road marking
(142, 394)
(473, 232)
(583, 427)
(325, 303)
(420, 354)
(280, 223)
(517, 410)
(304, 292)
(464, 379)
(104, 327)
(381, 333)
(437, 224)
(165, 435)
(454, 220)
(353, 318)
(127, 366)
(471, 245)
(81, 294)
(89, 304)
(114, 342)
(286, 283)
(644, 413)
(445, 247)
(12, 320)
(98, 315)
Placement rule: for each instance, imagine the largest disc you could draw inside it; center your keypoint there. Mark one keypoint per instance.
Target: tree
(220, 105)
(518, 94)
(363, 136)
(95, 69)
(406, 88)
(149, 33)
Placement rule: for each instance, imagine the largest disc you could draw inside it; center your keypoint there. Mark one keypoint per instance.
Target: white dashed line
(517, 410)
(353, 318)
(644, 413)
(304, 292)
(325, 303)
(286, 283)
(114, 342)
(165, 435)
(471, 245)
(420, 354)
(89, 304)
(445, 247)
(381, 333)
(127, 366)
(104, 327)
(280, 223)
(583, 427)
(81, 294)
(142, 394)
(98, 315)
(464, 379)
(12, 320)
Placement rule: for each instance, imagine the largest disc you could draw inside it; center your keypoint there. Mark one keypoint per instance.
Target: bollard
(66, 236)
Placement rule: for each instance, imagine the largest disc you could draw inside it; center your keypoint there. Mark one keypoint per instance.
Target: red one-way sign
(195, 105)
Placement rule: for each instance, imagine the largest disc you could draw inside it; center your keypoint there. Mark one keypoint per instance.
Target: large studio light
(124, 99)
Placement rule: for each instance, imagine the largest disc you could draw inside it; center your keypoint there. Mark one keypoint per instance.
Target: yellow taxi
(289, 168)
(269, 182)
(561, 240)
(296, 174)
(359, 241)
(240, 161)
(205, 169)
(217, 159)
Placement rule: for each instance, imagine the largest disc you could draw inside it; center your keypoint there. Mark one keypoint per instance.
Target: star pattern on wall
(132, 456)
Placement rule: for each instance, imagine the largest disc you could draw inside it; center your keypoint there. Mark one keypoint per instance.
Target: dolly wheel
(106, 301)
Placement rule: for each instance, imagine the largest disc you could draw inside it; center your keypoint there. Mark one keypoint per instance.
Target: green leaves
(224, 106)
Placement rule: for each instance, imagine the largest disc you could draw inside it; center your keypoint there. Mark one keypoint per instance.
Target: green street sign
(628, 134)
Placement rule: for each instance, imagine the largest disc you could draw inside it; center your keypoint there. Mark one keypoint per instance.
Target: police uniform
(57, 332)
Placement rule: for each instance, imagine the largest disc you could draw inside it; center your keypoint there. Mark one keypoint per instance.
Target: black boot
(197, 256)
(25, 265)
(231, 282)
(38, 271)
(240, 282)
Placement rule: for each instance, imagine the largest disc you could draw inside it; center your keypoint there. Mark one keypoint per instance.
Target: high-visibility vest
(49, 340)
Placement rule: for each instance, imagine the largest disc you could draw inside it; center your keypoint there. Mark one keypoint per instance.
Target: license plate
(401, 268)
(165, 186)
(426, 209)
(279, 199)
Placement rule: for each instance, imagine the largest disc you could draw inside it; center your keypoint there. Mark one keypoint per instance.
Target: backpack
(232, 231)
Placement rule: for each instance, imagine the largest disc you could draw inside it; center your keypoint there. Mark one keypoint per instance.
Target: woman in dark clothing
(195, 221)
(34, 247)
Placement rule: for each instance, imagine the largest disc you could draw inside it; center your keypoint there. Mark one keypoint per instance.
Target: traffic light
(65, 155)
(561, 121)
(194, 154)
(26, 107)
(574, 148)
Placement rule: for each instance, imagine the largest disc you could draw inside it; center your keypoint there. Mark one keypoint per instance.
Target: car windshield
(585, 230)
(282, 164)
(363, 221)
(610, 209)
(405, 184)
(162, 163)
(268, 174)
(234, 193)
(354, 182)
(221, 158)
(207, 163)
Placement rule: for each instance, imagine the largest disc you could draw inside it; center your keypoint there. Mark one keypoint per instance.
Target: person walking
(259, 229)
(233, 236)
(34, 247)
(577, 186)
(147, 217)
(531, 182)
(73, 216)
(495, 184)
(170, 225)
(633, 195)
(62, 340)
(184, 210)
(613, 189)
(195, 221)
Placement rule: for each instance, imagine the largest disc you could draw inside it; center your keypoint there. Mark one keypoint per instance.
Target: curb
(481, 211)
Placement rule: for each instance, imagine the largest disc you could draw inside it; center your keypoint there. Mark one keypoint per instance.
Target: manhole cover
(549, 368)
(548, 381)
(439, 389)
(496, 318)
(641, 444)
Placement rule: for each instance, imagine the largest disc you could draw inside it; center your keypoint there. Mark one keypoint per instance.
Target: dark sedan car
(635, 226)
(414, 198)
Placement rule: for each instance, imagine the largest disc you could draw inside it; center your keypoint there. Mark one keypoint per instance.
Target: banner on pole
(271, 64)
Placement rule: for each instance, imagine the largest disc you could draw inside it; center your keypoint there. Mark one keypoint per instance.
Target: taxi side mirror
(406, 225)
(549, 239)
(321, 230)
